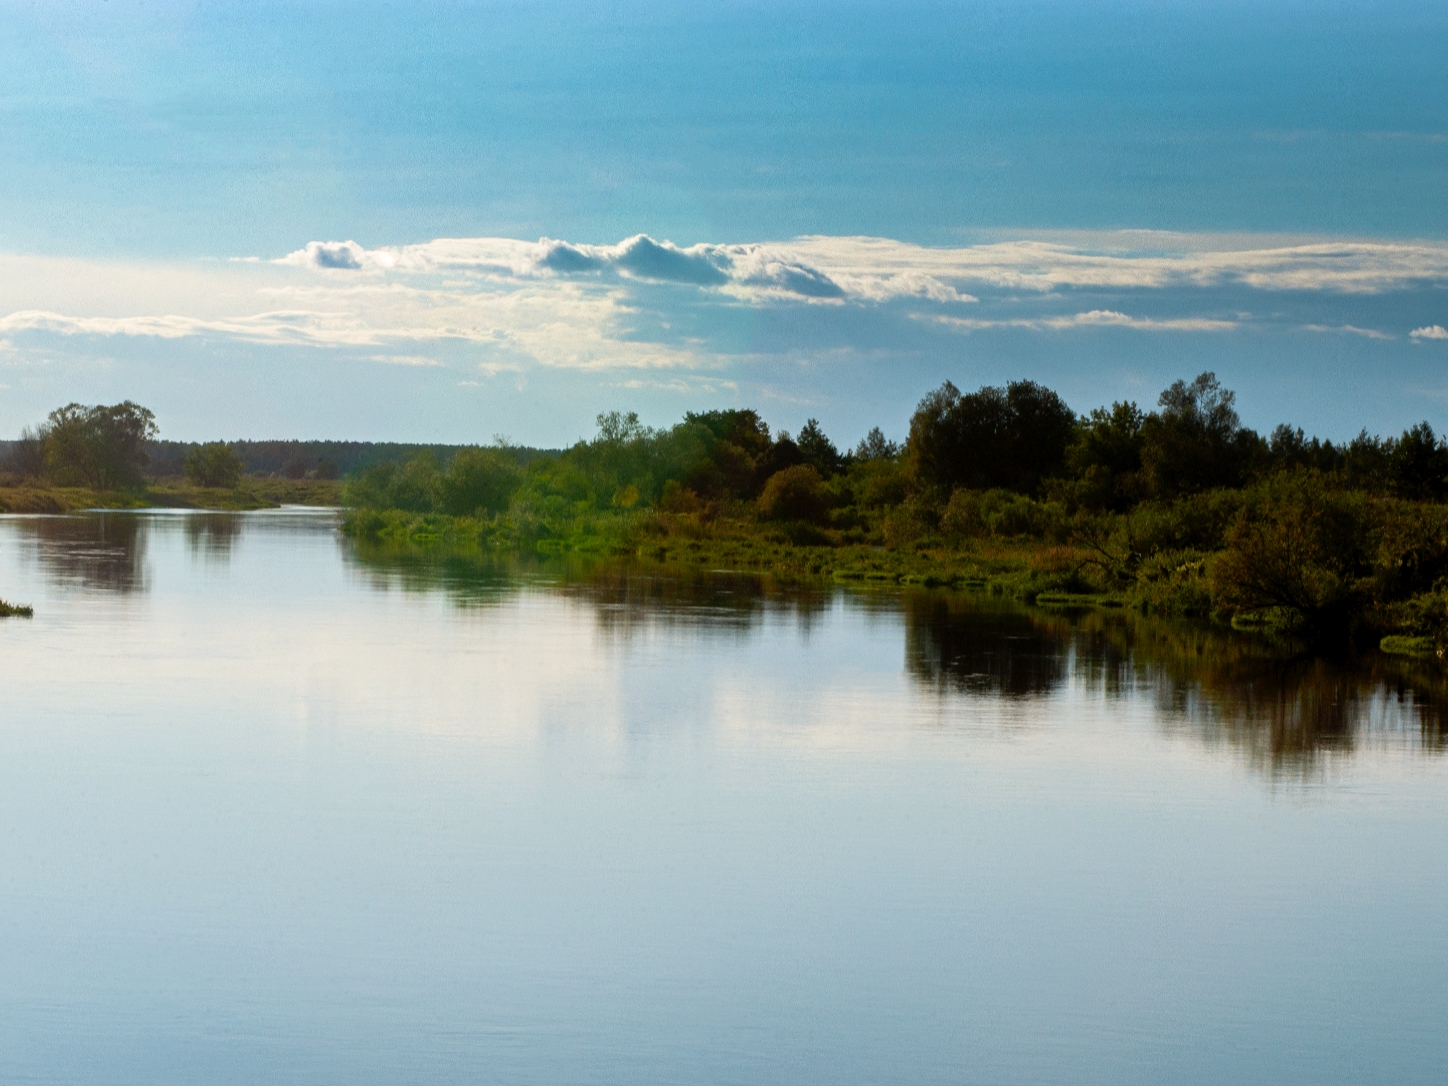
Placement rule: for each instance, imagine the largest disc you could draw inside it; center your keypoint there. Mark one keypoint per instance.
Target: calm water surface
(274, 811)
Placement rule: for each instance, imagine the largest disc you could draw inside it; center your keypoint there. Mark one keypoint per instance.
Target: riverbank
(1027, 570)
(249, 494)
(1381, 601)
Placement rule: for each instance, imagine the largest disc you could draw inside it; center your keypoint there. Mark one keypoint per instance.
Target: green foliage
(794, 494)
(1196, 442)
(1305, 554)
(1010, 438)
(214, 464)
(477, 481)
(411, 487)
(875, 446)
(973, 514)
(817, 450)
(1106, 457)
(1418, 465)
(99, 447)
(1179, 512)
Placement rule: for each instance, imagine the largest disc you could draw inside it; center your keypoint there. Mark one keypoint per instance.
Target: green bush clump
(795, 493)
(214, 464)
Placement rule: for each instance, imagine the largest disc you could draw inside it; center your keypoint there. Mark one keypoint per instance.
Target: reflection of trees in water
(631, 597)
(99, 551)
(980, 646)
(212, 535)
(1285, 710)
(625, 596)
(471, 577)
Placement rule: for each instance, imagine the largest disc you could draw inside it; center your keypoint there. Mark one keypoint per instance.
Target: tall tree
(99, 447)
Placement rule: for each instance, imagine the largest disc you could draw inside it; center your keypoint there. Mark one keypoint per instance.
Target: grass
(1398, 645)
(31, 497)
(15, 610)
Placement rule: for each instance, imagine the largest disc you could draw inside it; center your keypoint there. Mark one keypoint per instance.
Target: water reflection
(213, 536)
(103, 552)
(1283, 710)
(624, 596)
(979, 645)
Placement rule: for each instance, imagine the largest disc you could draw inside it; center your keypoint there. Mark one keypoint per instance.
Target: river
(274, 810)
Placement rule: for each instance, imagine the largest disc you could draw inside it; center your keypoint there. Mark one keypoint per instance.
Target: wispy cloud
(499, 305)
(1349, 330)
(1096, 318)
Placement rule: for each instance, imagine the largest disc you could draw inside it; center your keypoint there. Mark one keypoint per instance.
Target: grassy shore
(28, 497)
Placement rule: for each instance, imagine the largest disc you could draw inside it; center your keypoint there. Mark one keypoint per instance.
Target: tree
(1305, 553)
(27, 456)
(214, 464)
(99, 447)
(876, 446)
(1196, 441)
(1009, 438)
(1418, 465)
(1106, 455)
(818, 450)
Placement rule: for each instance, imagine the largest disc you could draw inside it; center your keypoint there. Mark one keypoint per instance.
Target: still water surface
(274, 811)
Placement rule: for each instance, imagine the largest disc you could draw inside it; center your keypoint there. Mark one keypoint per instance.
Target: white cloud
(405, 359)
(1096, 318)
(1348, 329)
(501, 305)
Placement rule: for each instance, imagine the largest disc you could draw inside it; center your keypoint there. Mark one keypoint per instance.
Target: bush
(971, 514)
(1305, 555)
(214, 464)
(795, 493)
(478, 481)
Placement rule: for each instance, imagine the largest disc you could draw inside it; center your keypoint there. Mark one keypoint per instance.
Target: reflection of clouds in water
(98, 552)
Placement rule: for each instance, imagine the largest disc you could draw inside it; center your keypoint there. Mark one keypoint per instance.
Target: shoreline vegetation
(19, 495)
(1178, 512)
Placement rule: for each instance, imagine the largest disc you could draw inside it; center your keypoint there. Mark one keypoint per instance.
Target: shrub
(214, 464)
(1305, 554)
(795, 493)
(478, 481)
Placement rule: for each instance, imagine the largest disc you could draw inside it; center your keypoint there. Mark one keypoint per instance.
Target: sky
(448, 222)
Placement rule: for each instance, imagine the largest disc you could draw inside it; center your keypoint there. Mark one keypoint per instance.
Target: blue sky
(324, 220)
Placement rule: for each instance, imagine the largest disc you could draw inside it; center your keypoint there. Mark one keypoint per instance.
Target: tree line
(1020, 439)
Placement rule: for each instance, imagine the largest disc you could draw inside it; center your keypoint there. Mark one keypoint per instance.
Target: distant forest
(295, 459)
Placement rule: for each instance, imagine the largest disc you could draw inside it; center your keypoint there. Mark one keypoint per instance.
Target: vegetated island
(1177, 511)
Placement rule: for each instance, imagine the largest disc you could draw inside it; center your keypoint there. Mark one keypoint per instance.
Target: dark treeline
(311, 459)
(1018, 440)
(116, 447)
